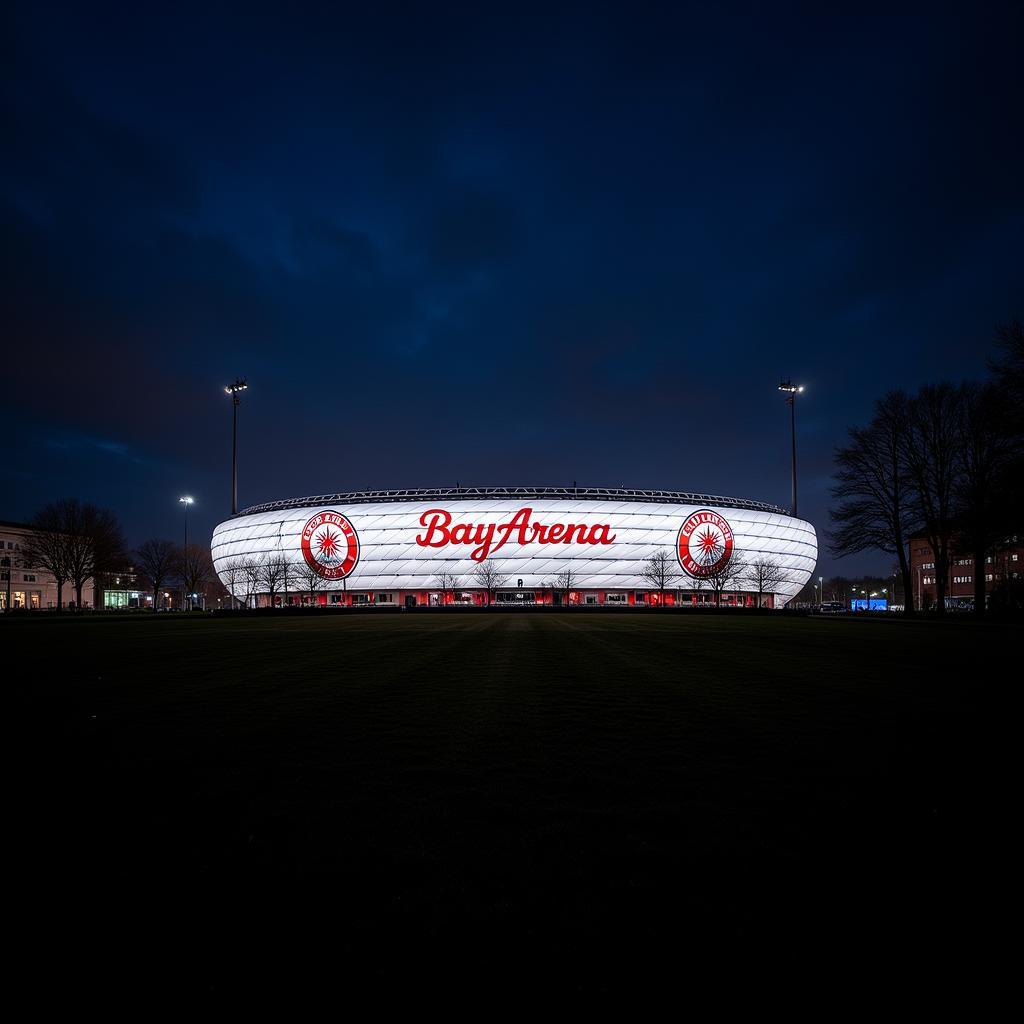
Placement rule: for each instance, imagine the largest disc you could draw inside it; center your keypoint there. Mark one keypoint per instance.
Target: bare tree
(91, 541)
(875, 489)
(448, 583)
(194, 568)
(287, 578)
(987, 488)
(765, 575)
(232, 573)
(837, 588)
(46, 548)
(931, 450)
(725, 576)
(489, 577)
(95, 542)
(308, 579)
(252, 571)
(565, 583)
(694, 584)
(157, 559)
(273, 575)
(215, 594)
(1009, 367)
(661, 570)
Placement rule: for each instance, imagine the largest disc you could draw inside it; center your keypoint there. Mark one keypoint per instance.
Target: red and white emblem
(330, 545)
(705, 543)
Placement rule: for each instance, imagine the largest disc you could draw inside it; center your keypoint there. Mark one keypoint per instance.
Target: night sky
(495, 248)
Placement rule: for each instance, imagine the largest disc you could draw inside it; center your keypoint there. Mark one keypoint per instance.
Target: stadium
(514, 546)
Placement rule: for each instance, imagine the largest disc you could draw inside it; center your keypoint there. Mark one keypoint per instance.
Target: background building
(1003, 568)
(22, 585)
(121, 589)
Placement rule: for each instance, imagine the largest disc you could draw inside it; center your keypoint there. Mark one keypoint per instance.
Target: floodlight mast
(792, 391)
(185, 501)
(235, 391)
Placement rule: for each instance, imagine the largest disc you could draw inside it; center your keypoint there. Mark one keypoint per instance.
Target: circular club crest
(330, 545)
(705, 543)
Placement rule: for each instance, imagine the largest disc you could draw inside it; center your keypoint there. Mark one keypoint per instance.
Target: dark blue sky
(517, 247)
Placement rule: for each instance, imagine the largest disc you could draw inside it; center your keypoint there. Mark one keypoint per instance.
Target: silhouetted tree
(273, 575)
(726, 576)
(489, 577)
(661, 570)
(565, 583)
(92, 540)
(194, 568)
(987, 482)
(764, 576)
(309, 579)
(694, 584)
(46, 548)
(1008, 369)
(447, 583)
(232, 573)
(157, 559)
(930, 449)
(252, 570)
(875, 489)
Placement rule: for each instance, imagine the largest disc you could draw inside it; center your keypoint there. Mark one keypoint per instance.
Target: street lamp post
(792, 390)
(235, 390)
(185, 501)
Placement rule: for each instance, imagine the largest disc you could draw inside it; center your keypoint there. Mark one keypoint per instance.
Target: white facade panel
(396, 549)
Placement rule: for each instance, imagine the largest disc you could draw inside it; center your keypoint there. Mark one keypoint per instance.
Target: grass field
(566, 790)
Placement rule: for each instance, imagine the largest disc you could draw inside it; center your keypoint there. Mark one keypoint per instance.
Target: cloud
(74, 442)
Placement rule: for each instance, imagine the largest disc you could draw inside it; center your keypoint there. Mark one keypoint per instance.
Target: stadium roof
(518, 493)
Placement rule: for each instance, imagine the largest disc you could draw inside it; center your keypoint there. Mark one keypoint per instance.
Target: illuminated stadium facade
(514, 546)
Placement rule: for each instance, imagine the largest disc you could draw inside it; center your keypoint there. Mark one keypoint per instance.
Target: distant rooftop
(518, 493)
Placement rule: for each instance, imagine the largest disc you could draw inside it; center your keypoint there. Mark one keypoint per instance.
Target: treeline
(844, 589)
(247, 576)
(75, 541)
(944, 463)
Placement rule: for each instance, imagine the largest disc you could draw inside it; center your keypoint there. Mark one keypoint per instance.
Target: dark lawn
(563, 791)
